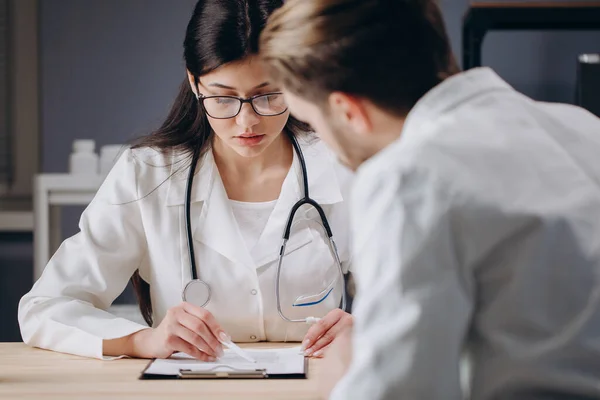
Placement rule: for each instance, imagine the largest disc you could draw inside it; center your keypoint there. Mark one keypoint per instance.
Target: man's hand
(335, 362)
(320, 335)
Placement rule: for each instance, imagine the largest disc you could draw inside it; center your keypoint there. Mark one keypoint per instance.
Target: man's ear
(350, 112)
(192, 82)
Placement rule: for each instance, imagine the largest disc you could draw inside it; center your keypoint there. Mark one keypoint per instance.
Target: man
(476, 210)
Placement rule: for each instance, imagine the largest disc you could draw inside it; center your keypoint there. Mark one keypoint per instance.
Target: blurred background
(108, 70)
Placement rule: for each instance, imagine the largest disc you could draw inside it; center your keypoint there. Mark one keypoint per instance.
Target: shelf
(16, 221)
(483, 17)
(70, 182)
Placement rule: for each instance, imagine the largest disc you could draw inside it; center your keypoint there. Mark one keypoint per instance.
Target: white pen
(226, 341)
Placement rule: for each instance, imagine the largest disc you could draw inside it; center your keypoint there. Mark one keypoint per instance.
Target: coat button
(253, 337)
(253, 291)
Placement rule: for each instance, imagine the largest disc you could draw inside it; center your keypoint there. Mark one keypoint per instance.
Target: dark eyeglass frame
(242, 100)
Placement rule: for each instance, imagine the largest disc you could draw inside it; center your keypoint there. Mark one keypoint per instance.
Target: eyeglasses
(223, 107)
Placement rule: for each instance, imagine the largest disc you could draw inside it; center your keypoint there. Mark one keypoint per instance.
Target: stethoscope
(199, 292)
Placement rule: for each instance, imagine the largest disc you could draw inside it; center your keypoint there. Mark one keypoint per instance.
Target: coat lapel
(324, 188)
(215, 225)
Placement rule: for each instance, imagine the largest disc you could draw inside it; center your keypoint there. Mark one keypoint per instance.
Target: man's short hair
(389, 51)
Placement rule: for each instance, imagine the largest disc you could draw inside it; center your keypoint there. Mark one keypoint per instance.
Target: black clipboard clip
(216, 372)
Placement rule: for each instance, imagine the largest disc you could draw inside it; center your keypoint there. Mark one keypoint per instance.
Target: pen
(226, 341)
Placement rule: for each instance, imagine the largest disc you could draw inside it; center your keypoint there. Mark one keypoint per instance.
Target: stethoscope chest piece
(196, 292)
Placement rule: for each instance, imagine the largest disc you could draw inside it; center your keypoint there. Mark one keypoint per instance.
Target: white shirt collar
(323, 184)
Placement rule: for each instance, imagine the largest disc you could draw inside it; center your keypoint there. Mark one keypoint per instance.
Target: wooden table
(27, 373)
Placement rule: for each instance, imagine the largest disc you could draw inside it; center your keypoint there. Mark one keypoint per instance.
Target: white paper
(274, 361)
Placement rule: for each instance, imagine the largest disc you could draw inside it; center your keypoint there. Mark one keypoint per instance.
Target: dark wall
(110, 69)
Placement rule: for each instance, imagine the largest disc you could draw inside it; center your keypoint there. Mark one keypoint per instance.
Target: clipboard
(195, 369)
(219, 373)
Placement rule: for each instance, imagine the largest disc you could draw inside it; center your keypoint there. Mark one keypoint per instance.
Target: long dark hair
(219, 32)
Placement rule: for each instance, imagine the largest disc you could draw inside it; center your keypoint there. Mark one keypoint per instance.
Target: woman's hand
(187, 328)
(321, 334)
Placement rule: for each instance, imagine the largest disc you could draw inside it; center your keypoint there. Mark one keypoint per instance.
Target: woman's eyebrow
(221, 86)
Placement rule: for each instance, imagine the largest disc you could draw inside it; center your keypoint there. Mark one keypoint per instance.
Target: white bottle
(83, 159)
(108, 156)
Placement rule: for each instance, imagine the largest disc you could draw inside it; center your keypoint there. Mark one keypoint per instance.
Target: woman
(231, 128)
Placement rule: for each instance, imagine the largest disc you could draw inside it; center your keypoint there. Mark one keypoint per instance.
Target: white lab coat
(136, 221)
(479, 228)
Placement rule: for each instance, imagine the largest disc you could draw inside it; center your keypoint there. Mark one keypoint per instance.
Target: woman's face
(248, 133)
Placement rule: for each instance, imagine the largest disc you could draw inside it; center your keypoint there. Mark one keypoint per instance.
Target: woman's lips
(250, 139)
